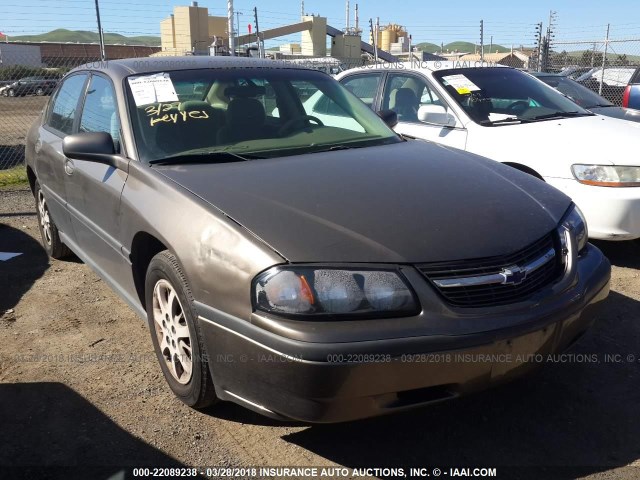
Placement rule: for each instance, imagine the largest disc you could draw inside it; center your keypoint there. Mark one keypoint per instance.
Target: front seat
(245, 121)
(405, 103)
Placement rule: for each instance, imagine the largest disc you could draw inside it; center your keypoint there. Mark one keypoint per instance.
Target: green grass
(13, 177)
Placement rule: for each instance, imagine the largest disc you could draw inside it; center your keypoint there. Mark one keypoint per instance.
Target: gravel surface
(79, 385)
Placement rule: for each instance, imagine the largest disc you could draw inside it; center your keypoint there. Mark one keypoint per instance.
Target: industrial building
(190, 30)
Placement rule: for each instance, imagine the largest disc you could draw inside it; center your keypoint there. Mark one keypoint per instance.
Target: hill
(82, 36)
(428, 47)
(461, 47)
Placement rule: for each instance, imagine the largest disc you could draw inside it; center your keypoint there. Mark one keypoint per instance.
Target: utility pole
(100, 33)
(482, 40)
(232, 40)
(301, 9)
(238, 22)
(374, 38)
(539, 46)
(550, 36)
(260, 46)
(604, 58)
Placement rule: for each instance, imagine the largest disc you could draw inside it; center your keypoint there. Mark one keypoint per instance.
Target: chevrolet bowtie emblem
(513, 275)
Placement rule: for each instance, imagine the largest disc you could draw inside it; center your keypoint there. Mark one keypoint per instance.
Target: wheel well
(525, 169)
(32, 179)
(143, 248)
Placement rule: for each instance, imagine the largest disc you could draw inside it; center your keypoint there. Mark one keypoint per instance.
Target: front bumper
(612, 213)
(312, 381)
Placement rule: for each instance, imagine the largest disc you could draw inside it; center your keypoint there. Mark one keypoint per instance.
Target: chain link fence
(25, 88)
(604, 66)
(29, 73)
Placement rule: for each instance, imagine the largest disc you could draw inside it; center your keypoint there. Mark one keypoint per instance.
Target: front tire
(11, 92)
(48, 229)
(39, 92)
(175, 333)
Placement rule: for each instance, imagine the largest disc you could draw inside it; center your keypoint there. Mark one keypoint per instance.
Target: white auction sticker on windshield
(152, 89)
(461, 83)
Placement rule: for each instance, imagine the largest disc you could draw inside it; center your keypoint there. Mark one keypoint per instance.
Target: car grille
(470, 273)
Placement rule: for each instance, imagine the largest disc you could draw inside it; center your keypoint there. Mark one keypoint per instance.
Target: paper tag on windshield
(461, 83)
(153, 89)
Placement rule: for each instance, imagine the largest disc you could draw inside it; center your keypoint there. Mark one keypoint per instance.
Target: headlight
(575, 223)
(322, 292)
(607, 175)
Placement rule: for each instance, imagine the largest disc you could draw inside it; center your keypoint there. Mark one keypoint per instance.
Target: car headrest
(191, 105)
(245, 111)
(403, 97)
(244, 91)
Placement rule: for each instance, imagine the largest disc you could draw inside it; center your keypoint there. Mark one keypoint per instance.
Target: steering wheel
(518, 106)
(287, 127)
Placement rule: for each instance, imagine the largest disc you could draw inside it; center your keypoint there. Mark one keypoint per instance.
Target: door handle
(69, 167)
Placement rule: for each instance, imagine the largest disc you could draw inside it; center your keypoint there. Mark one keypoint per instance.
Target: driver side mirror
(436, 114)
(97, 147)
(389, 117)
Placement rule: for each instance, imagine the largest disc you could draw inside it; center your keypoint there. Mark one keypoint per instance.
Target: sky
(509, 23)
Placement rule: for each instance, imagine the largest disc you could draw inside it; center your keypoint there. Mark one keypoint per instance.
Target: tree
(621, 60)
(591, 59)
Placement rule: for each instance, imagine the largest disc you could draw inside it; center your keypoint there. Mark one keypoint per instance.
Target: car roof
(545, 74)
(119, 69)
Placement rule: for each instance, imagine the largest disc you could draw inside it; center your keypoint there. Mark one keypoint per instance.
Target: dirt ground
(17, 114)
(79, 385)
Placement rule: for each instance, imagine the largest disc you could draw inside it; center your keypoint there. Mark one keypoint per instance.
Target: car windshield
(245, 113)
(504, 96)
(578, 93)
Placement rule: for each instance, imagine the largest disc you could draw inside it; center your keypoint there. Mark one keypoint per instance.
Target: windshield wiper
(215, 156)
(503, 121)
(571, 114)
(335, 148)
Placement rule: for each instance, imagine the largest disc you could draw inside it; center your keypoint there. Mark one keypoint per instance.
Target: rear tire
(11, 92)
(48, 229)
(175, 332)
(39, 92)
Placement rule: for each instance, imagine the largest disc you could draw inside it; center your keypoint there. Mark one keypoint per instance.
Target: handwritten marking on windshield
(159, 114)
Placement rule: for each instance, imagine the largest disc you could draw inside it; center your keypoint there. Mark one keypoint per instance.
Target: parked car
(631, 95)
(613, 80)
(301, 269)
(574, 71)
(587, 98)
(31, 86)
(509, 116)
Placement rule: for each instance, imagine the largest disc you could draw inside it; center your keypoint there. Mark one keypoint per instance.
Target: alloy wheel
(45, 220)
(172, 331)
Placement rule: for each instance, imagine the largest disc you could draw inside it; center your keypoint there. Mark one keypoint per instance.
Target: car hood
(618, 112)
(552, 146)
(408, 202)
